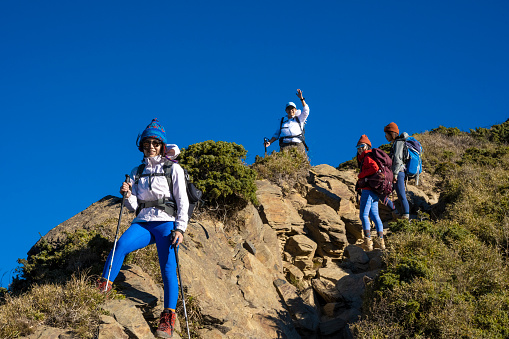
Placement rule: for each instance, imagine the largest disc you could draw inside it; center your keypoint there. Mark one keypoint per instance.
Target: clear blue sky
(79, 80)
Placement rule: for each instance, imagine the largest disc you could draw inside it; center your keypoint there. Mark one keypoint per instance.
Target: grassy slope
(448, 277)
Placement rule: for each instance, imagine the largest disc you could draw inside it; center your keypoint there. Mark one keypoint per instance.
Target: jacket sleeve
(398, 158)
(303, 116)
(180, 196)
(369, 167)
(132, 202)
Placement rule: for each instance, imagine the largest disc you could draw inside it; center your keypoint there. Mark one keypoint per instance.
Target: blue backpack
(414, 161)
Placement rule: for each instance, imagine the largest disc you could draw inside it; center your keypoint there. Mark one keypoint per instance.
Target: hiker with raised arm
(162, 216)
(290, 132)
(369, 167)
(399, 158)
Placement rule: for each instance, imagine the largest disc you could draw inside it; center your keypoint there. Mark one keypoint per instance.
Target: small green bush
(80, 251)
(447, 131)
(497, 133)
(349, 164)
(219, 170)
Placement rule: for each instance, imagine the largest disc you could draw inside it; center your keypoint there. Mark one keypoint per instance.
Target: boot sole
(162, 334)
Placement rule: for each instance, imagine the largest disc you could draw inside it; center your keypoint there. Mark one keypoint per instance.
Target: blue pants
(388, 202)
(142, 234)
(369, 208)
(400, 190)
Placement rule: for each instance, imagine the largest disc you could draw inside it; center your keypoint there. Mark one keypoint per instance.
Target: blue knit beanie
(154, 130)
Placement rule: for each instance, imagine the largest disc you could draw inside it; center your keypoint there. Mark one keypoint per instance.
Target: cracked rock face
(238, 273)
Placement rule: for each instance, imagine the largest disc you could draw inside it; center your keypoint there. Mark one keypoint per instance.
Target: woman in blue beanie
(154, 223)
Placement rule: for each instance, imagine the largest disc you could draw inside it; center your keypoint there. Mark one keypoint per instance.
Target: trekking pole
(127, 180)
(181, 289)
(265, 140)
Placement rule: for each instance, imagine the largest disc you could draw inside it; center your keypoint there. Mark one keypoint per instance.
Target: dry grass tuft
(74, 306)
(285, 168)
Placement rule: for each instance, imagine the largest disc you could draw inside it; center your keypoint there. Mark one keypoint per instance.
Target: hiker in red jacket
(369, 199)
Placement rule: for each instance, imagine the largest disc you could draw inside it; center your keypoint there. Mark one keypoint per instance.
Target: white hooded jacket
(159, 189)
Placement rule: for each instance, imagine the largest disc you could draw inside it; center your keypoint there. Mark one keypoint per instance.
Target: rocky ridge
(291, 268)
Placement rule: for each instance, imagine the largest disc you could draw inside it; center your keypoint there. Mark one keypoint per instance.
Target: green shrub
(447, 131)
(484, 157)
(79, 251)
(497, 133)
(349, 164)
(219, 170)
(284, 168)
(436, 290)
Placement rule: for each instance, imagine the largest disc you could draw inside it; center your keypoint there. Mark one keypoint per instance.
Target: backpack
(414, 161)
(381, 181)
(300, 136)
(168, 205)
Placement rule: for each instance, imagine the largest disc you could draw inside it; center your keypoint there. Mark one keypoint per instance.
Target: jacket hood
(153, 160)
(403, 136)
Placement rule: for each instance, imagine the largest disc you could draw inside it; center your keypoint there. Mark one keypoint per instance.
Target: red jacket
(368, 166)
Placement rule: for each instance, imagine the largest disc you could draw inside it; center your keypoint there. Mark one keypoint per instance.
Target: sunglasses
(148, 143)
(360, 146)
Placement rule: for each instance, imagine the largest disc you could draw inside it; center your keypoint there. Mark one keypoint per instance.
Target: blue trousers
(369, 208)
(142, 234)
(400, 190)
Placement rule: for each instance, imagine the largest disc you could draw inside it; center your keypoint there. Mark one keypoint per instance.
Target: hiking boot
(405, 216)
(368, 244)
(381, 243)
(166, 324)
(104, 285)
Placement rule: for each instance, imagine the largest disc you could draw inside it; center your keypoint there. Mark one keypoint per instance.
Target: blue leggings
(400, 190)
(142, 234)
(369, 208)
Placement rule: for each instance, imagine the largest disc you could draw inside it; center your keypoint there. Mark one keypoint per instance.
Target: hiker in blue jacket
(154, 224)
(398, 164)
(291, 128)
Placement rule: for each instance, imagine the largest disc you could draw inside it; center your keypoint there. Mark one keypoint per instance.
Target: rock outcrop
(289, 268)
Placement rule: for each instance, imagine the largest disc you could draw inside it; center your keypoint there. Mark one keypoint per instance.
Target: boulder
(331, 274)
(305, 316)
(333, 326)
(353, 225)
(277, 212)
(348, 177)
(419, 201)
(130, 317)
(301, 245)
(331, 310)
(356, 255)
(326, 228)
(110, 329)
(327, 189)
(326, 290)
(293, 272)
(351, 287)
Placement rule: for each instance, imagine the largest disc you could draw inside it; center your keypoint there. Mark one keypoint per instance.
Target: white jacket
(291, 127)
(159, 190)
